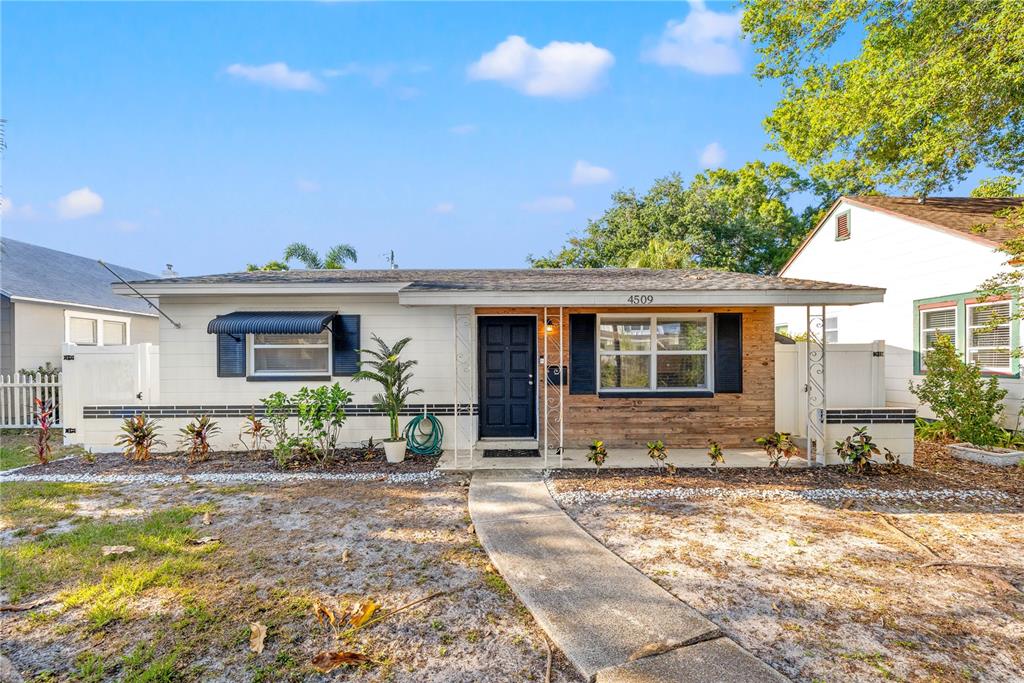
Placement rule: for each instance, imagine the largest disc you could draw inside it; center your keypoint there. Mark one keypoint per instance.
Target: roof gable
(33, 272)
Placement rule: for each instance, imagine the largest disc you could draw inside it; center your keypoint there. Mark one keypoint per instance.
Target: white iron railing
(17, 399)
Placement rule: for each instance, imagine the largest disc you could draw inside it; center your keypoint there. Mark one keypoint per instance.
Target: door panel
(507, 366)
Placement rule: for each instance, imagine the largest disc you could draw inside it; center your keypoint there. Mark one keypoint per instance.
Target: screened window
(658, 353)
(988, 336)
(114, 333)
(83, 331)
(291, 354)
(936, 322)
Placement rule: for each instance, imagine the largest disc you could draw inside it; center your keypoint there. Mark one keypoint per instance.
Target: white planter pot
(394, 451)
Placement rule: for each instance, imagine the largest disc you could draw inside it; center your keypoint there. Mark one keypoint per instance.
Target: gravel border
(228, 478)
(830, 495)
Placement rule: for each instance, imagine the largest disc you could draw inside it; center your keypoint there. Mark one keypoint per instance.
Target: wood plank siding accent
(734, 420)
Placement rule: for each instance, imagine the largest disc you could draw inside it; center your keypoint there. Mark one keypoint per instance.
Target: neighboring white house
(49, 297)
(931, 258)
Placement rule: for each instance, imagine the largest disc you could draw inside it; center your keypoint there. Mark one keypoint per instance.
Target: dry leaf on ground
(206, 518)
(118, 549)
(323, 613)
(203, 540)
(325, 662)
(361, 612)
(258, 633)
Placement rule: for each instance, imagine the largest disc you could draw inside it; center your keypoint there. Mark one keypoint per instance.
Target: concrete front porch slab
(720, 660)
(598, 609)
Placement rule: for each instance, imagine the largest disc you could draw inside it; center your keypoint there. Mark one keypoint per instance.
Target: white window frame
(100, 319)
(652, 320)
(251, 347)
(834, 319)
(925, 330)
(969, 346)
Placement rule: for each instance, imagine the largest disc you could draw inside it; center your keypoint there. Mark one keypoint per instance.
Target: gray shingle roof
(525, 279)
(35, 272)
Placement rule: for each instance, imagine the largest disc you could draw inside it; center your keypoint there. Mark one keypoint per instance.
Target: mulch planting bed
(935, 457)
(345, 460)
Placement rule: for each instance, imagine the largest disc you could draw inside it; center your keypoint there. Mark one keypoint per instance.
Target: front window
(291, 354)
(114, 333)
(988, 336)
(936, 322)
(831, 330)
(658, 353)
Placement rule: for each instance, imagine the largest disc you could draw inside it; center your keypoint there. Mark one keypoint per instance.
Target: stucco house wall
(39, 330)
(912, 262)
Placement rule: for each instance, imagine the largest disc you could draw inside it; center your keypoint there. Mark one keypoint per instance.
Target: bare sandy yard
(828, 588)
(178, 610)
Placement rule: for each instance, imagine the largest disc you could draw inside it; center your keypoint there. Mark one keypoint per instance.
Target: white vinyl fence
(854, 378)
(18, 394)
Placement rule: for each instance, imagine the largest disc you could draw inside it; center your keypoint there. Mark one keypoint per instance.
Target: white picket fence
(17, 399)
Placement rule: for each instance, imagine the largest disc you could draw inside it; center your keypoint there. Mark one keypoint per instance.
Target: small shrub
(715, 453)
(931, 430)
(257, 432)
(598, 454)
(43, 415)
(777, 446)
(284, 452)
(658, 453)
(959, 396)
(140, 434)
(858, 449)
(892, 459)
(321, 417)
(195, 438)
(276, 408)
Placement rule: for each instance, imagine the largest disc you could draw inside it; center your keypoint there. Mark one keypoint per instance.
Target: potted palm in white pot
(393, 375)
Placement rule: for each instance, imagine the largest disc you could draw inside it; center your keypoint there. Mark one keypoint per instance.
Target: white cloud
(444, 207)
(12, 211)
(705, 42)
(276, 75)
(377, 74)
(585, 173)
(558, 69)
(464, 129)
(712, 156)
(306, 185)
(550, 205)
(79, 203)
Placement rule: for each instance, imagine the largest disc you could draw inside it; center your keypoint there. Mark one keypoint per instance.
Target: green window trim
(959, 301)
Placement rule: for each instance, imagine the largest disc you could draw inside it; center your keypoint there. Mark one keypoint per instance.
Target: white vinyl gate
(107, 375)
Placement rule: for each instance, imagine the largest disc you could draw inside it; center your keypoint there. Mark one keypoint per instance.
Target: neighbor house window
(988, 336)
(291, 354)
(83, 331)
(832, 330)
(114, 333)
(656, 353)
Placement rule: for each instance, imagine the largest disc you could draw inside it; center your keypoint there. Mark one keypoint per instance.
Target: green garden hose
(424, 441)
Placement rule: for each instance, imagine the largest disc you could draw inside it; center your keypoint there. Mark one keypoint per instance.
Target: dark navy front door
(508, 360)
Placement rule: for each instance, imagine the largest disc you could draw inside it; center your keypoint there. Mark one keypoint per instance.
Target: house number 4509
(640, 299)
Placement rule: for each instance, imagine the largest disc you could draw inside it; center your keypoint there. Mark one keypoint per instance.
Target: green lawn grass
(12, 456)
(39, 503)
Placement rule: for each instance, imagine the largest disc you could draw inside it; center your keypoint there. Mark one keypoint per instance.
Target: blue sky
(458, 135)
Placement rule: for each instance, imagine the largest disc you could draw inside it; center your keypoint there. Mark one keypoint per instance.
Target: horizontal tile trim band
(871, 411)
(356, 410)
(870, 420)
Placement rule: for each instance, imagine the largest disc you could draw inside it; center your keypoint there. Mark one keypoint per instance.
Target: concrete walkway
(612, 622)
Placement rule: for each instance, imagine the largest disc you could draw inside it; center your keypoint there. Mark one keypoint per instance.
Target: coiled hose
(424, 441)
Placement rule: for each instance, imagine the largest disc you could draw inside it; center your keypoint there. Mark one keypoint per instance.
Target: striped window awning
(266, 322)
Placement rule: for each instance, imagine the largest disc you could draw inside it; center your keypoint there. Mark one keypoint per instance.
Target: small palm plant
(195, 438)
(658, 453)
(140, 434)
(715, 453)
(394, 375)
(598, 454)
(256, 431)
(44, 418)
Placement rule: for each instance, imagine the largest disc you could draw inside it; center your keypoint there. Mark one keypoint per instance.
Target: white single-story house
(931, 257)
(547, 359)
(49, 298)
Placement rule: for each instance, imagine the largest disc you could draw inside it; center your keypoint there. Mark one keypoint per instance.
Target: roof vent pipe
(169, 271)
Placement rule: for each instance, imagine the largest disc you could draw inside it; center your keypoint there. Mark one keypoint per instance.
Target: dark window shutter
(729, 353)
(230, 355)
(582, 353)
(346, 344)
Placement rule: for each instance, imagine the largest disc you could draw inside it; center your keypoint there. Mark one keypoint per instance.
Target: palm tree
(335, 259)
(662, 255)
